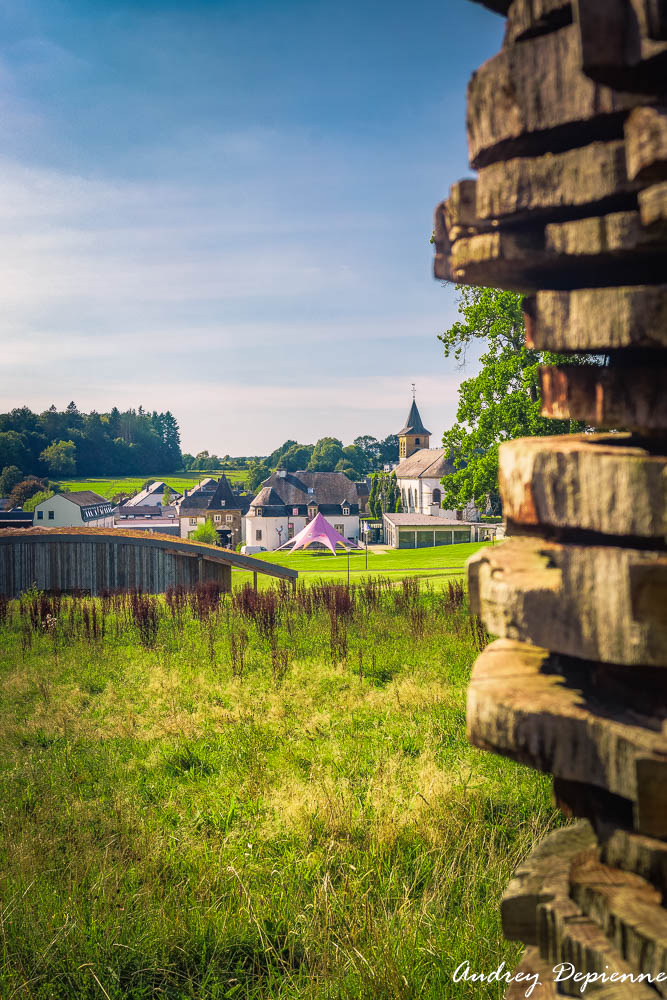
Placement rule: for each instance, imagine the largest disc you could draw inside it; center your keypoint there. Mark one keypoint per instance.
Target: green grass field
(109, 488)
(267, 797)
(438, 565)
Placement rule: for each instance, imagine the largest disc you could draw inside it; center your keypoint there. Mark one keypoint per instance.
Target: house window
(40, 515)
(436, 497)
(222, 503)
(290, 529)
(258, 535)
(218, 517)
(258, 512)
(52, 514)
(193, 520)
(340, 528)
(295, 511)
(312, 511)
(229, 518)
(416, 440)
(346, 511)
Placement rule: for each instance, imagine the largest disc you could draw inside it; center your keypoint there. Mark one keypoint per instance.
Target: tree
(36, 498)
(389, 450)
(326, 455)
(24, 490)
(205, 533)
(274, 461)
(258, 471)
(500, 403)
(296, 457)
(11, 475)
(166, 495)
(373, 495)
(60, 457)
(13, 450)
(371, 449)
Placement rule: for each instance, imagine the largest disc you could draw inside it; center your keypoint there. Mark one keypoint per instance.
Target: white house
(287, 501)
(74, 510)
(152, 495)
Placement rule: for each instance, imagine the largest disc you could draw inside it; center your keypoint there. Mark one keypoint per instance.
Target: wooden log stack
(567, 128)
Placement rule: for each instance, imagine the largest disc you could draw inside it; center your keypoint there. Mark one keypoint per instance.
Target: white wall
(65, 515)
(271, 539)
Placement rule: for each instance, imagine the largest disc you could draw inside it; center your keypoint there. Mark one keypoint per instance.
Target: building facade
(74, 510)
(418, 531)
(219, 505)
(287, 501)
(420, 471)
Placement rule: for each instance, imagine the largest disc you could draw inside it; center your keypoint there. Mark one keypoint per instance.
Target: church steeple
(413, 435)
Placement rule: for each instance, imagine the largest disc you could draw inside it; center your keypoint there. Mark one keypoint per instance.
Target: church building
(420, 470)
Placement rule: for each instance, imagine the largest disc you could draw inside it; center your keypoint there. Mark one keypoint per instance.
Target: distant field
(439, 565)
(131, 484)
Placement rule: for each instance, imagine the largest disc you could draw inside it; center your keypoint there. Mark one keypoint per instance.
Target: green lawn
(129, 484)
(439, 565)
(268, 797)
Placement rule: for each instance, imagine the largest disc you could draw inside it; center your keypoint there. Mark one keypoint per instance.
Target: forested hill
(67, 442)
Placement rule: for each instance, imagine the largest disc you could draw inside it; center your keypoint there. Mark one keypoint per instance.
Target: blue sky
(223, 207)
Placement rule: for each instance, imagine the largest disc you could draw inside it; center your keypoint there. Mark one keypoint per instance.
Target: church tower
(413, 435)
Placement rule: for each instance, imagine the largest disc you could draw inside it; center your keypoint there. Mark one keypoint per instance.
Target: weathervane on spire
(414, 392)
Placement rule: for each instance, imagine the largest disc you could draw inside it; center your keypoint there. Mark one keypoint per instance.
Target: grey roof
(85, 498)
(414, 425)
(156, 487)
(425, 520)
(223, 498)
(154, 511)
(267, 497)
(327, 487)
(429, 463)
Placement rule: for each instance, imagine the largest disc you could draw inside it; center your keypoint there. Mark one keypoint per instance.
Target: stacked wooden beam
(567, 128)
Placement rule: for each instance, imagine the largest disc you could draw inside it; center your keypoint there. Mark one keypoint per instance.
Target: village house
(221, 506)
(287, 501)
(153, 496)
(74, 510)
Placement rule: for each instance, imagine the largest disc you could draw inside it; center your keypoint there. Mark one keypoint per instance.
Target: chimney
(281, 473)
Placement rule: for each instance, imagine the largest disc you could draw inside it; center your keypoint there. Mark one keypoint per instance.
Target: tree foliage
(205, 532)
(11, 475)
(499, 403)
(60, 458)
(107, 444)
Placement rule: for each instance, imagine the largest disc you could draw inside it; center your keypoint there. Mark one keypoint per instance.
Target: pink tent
(319, 530)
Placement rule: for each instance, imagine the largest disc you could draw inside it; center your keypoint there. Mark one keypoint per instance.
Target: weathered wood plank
(598, 319)
(573, 599)
(646, 144)
(532, 968)
(540, 877)
(570, 255)
(628, 911)
(568, 938)
(633, 852)
(555, 184)
(601, 483)
(538, 87)
(653, 206)
(527, 18)
(517, 708)
(614, 46)
(618, 234)
(634, 399)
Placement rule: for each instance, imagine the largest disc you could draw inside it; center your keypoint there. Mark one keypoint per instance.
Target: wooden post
(254, 581)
